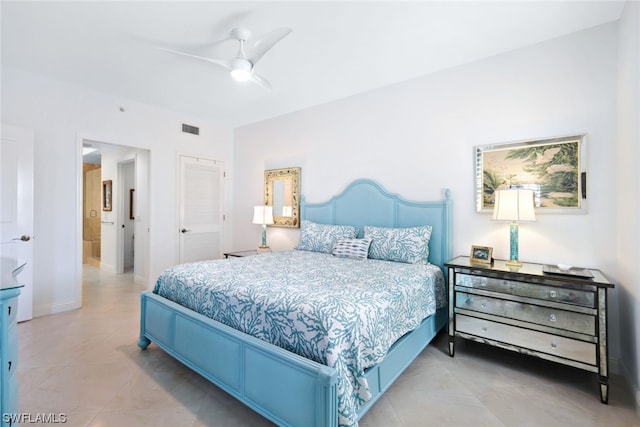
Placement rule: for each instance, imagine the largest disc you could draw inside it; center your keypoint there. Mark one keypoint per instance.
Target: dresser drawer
(543, 292)
(10, 311)
(554, 318)
(9, 365)
(538, 341)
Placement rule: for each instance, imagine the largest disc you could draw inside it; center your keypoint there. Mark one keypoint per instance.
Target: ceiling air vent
(190, 129)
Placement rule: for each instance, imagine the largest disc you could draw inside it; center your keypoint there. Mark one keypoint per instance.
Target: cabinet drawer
(538, 341)
(544, 292)
(554, 318)
(10, 311)
(9, 365)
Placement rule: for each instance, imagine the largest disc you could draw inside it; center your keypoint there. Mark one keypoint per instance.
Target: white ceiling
(336, 49)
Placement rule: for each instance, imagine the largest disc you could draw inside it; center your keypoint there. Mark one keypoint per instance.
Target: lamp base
(513, 263)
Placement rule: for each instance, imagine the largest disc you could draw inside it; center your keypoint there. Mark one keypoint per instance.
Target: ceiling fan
(249, 53)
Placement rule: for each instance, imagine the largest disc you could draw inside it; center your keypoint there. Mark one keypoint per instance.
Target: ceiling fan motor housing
(240, 34)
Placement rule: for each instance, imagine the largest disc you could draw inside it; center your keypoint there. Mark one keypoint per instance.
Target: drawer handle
(552, 318)
(552, 294)
(483, 304)
(9, 365)
(9, 310)
(554, 345)
(484, 329)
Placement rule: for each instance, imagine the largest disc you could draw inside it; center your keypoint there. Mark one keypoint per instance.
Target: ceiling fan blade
(261, 81)
(259, 47)
(227, 64)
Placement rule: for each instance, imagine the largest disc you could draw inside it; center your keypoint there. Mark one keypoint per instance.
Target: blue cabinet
(9, 292)
(8, 355)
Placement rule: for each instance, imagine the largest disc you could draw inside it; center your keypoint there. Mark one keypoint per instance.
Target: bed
(294, 382)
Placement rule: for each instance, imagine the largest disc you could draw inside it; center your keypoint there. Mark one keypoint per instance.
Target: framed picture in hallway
(131, 192)
(106, 195)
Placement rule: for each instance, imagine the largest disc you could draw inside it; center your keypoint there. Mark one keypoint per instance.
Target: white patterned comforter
(340, 312)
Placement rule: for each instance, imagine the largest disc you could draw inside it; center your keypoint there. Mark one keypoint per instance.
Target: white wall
(60, 114)
(417, 138)
(628, 186)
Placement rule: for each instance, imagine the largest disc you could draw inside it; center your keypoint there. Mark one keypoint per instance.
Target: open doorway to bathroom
(115, 209)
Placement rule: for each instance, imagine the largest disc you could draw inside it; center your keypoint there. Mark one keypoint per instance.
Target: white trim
(79, 217)
(48, 309)
(81, 139)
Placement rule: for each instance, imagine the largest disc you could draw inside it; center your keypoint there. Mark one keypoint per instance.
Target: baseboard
(45, 310)
(108, 268)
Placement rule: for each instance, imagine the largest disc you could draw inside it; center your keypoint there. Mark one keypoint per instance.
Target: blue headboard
(365, 202)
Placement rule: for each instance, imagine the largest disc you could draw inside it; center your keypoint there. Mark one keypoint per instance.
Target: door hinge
(224, 217)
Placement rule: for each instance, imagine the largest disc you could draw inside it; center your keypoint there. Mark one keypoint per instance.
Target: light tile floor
(86, 365)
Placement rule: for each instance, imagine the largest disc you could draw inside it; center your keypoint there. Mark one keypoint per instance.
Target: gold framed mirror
(282, 191)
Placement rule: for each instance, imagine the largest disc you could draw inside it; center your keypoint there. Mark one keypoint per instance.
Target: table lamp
(263, 215)
(515, 205)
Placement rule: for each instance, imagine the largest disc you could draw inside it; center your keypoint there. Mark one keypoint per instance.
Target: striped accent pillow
(351, 248)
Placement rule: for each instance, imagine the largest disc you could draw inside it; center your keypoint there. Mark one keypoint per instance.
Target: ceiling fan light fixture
(241, 75)
(241, 70)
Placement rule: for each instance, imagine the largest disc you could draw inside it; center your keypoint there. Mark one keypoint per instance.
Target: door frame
(179, 196)
(80, 140)
(26, 138)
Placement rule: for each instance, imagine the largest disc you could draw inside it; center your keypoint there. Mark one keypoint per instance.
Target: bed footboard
(282, 386)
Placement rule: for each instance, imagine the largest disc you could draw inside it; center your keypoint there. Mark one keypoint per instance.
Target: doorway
(123, 170)
(200, 208)
(16, 213)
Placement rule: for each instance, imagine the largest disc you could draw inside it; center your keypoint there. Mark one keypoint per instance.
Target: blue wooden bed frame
(282, 386)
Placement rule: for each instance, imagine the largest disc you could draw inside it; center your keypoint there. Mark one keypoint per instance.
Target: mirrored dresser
(557, 315)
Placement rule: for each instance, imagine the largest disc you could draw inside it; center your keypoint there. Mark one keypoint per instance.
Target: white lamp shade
(514, 205)
(263, 215)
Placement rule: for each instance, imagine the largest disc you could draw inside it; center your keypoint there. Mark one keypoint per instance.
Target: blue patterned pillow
(410, 245)
(351, 248)
(322, 237)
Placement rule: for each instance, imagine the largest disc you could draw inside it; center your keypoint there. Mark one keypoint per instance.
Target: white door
(16, 208)
(200, 208)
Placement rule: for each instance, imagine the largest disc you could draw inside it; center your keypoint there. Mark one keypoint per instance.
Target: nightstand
(239, 254)
(561, 318)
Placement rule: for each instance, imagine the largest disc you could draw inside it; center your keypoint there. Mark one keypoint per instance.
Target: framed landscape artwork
(554, 168)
